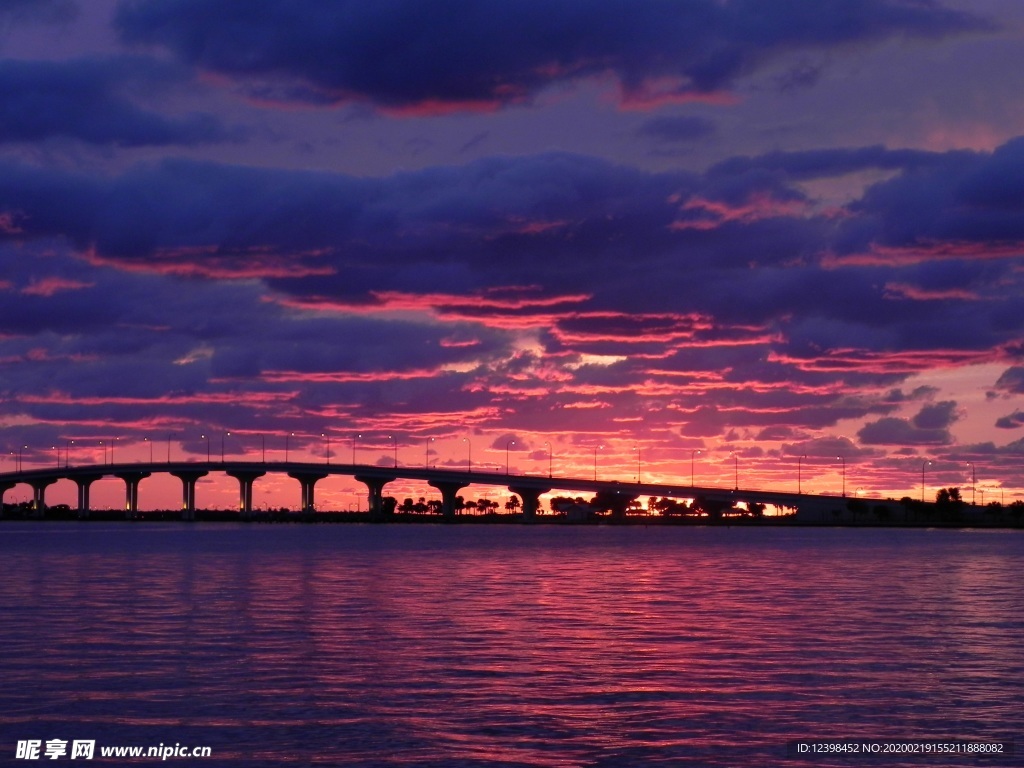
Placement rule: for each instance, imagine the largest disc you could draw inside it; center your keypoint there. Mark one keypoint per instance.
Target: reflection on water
(502, 645)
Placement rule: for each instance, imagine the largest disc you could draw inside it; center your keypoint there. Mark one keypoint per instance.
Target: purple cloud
(413, 53)
(39, 11)
(83, 100)
(1012, 421)
(930, 426)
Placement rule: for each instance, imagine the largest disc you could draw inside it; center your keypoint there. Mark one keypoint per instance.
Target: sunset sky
(774, 232)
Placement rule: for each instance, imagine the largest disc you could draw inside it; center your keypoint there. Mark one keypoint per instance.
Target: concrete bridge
(447, 481)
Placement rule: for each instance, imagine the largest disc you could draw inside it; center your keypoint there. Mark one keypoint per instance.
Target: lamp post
(507, 446)
(637, 449)
(596, 449)
(147, 440)
(426, 452)
(394, 441)
(56, 450)
(736, 472)
(469, 454)
(263, 448)
(112, 441)
(692, 454)
(222, 434)
(67, 453)
(102, 444)
(924, 464)
(207, 438)
(549, 457)
(169, 436)
(354, 439)
(799, 466)
(974, 485)
(287, 435)
(843, 459)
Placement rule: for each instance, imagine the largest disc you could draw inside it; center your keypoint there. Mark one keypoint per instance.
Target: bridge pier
(375, 496)
(4, 488)
(131, 492)
(245, 481)
(530, 498)
(39, 495)
(188, 479)
(308, 481)
(449, 490)
(83, 484)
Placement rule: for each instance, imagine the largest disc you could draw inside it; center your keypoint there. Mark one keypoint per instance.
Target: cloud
(1011, 380)
(84, 100)
(559, 287)
(677, 129)
(483, 54)
(930, 426)
(1013, 421)
(38, 11)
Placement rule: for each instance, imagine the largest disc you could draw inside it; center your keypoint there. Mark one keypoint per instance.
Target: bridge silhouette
(447, 481)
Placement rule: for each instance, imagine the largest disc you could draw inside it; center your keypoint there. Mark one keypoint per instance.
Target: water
(421, 645)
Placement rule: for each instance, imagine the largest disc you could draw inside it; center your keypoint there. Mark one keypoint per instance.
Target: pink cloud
(48, 286)
(211, 261)
(906, 291)
(890, 256)
(709, 214)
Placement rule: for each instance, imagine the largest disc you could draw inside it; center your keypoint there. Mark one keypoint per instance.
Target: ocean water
(472, 645)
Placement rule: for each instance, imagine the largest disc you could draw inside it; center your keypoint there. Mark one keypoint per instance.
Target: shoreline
(285, 517)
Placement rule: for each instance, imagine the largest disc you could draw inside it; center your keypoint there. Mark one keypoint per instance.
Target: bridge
(447, 481)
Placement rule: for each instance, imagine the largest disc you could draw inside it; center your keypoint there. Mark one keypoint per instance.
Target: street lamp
(469, 454)
(287, 435)
(112, 441)
(974, 484)
(263, 448)
(507, 445)
(327, 437)
(222, 445)
(596, 449)
(394, 440)
(145, 440)
(354, 438)
(549, 457)
(923, 465)
(736, 471)
(843, 459)
(799, 465)
(104, 445)
(169, 436)
(207, 438)
(426, 452)
(692, 454)
(637, 449)
(67, 453)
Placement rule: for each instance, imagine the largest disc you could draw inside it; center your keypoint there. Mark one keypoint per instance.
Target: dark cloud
(43, 11)
(408, 53)
(936, 416)
(1011, 380)
(86, 100)
(1013, 421)
(825, 163)
(930, 426)
(958, 198)
(677, 129)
